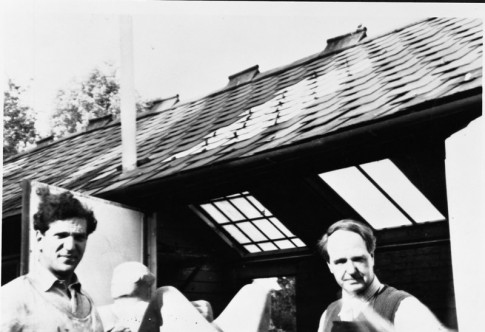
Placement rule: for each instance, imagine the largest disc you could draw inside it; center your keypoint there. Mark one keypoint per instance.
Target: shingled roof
(316, 97)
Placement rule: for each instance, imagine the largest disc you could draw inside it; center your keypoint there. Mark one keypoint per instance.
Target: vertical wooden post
(127, 96)
(464, 180)
(151, 246)
(25, 228)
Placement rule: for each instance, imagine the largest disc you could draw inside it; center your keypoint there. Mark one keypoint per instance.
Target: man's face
(62, 246)
(350, 262)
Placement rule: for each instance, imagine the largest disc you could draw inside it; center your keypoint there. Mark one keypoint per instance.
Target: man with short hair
(50, 297)
(366, 305)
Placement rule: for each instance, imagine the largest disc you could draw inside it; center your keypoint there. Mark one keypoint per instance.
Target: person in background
(50, 297)
(366, 305)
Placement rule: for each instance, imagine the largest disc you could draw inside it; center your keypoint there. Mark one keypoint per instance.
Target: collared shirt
(39, 302)
(69, 297)
(411, 315)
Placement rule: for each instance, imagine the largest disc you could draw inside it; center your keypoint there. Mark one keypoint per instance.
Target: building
(240, 184)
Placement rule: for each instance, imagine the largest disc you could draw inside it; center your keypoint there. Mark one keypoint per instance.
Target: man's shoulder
(394, 293)
(15, 289)
(15, 284)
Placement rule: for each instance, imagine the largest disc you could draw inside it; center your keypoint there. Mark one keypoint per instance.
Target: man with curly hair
(50, 297)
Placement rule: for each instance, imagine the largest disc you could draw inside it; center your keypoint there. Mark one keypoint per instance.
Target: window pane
(268, 229)
(284, 244)
(252, 231)
(249, 224)
(236, 234)
(229, 210)
(365, 198)
(298, 242)
(267, 246)
(281, 227)
(246, 208)
(252, 248)
(402, 191)
(258, 205)
(214, 213)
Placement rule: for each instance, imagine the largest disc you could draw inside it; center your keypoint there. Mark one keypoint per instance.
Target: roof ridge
(299, 62)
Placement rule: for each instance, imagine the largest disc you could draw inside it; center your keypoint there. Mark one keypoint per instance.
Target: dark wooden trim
(25, 228)
(434, 121)
(217, 230)
(150, 244)
(425, 243)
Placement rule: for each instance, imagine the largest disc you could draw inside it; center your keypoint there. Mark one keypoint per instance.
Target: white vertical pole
(464, 181)
(127, 96)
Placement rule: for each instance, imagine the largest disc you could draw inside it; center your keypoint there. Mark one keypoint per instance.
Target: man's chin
(66, 268)
(354, 288)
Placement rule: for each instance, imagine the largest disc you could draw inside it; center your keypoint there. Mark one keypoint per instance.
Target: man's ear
(330, 267)
(38, 235)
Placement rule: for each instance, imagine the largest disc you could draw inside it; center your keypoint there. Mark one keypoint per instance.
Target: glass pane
(214, 213)
(284, 244)
(236, 234)
(252, 248)
(251, 231)
(229, 210)
(299, 243)
(259, 206)
(267, 246)
(402, 191)
(281, 227)
(268, 229)
(365, 198)
(246, 208)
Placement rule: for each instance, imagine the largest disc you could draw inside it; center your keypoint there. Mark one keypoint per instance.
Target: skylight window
(249, 224)
(382, 195)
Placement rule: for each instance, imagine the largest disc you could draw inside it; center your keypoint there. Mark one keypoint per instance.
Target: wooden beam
(151, 259)
(25, 229)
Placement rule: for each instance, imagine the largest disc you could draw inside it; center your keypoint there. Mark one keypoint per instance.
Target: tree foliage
(18, 121)
(96, 96)
(283, 306)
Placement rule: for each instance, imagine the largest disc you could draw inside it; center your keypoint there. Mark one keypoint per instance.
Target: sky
(187, 48)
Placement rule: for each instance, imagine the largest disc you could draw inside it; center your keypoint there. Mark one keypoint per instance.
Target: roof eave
(468, 103)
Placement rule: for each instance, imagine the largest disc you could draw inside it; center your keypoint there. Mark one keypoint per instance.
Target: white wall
(464, 180)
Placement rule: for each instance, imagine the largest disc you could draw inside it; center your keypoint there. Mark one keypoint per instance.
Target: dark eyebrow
(358, 258)
(340, 260)
(71, 233)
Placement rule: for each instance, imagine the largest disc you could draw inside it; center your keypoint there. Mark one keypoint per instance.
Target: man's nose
(350, 267)
(69, 243)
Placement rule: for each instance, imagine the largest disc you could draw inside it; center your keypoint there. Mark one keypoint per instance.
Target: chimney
(99, 122)
(45, 141)
(243, 76)
(163, 104)
(127, 97)
(343, 41)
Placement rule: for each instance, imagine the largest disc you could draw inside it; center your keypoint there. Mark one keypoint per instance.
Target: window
(382, 195)
(249, 224)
